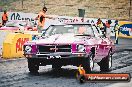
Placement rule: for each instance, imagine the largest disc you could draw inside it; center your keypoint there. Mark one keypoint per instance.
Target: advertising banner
(125, 29)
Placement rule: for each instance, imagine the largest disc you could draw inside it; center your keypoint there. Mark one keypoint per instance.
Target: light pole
(130, 10)
(44, 2)
(22, 4)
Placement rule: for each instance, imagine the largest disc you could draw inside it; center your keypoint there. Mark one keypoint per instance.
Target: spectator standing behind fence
(41, 19)
(4, 18)
(117, 30)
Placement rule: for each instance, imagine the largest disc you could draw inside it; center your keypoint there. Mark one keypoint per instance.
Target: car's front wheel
(56, 66)
(88, 63)
(33, 66)
(106, 63)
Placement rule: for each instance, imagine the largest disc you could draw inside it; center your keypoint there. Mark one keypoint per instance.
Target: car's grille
(54, 48)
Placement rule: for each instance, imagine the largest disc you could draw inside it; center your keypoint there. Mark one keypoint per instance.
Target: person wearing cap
(41, 19)
(4, 18)
(117, 30)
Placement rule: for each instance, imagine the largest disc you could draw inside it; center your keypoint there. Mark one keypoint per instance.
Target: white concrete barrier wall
(60, 19)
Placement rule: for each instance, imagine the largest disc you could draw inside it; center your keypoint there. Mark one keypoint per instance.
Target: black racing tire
(56, 66)
(88, 63)
(106, 63)
(33, 66)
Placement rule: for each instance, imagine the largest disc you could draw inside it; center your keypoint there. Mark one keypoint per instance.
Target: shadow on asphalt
(70, 73)
(66, 73)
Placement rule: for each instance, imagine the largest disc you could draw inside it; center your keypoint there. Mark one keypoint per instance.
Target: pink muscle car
(70, 44)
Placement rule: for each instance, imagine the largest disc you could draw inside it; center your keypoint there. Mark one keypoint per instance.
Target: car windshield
(82, 29)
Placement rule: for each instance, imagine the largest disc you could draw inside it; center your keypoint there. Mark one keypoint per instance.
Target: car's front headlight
(28, 49)
(81, 48)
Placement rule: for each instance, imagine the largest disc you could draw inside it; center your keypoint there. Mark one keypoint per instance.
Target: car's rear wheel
(88, 63)
(106, 63)
(33, 66)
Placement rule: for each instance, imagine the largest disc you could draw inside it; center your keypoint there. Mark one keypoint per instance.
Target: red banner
(19, 44)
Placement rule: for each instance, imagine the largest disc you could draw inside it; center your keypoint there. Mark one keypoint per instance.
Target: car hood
(70, 39)
(63, 39)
